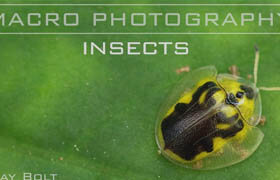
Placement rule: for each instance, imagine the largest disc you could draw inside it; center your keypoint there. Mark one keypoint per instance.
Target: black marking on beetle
(230, 99)
(239, 94)
(230, 132)
(208, 144)
(186, 135)
(223, 119)
(208, 98)
(248, 91)
(181, 107)
(211, 92)
(182, 111)
(201, 90)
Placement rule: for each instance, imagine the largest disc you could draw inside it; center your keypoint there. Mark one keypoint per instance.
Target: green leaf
(93, 117)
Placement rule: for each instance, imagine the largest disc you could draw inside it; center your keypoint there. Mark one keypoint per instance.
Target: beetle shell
(211, 119)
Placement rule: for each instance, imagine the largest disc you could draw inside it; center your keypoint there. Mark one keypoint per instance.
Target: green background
(93, 117)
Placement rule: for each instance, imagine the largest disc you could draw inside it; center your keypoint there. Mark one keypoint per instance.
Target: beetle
(209, 120)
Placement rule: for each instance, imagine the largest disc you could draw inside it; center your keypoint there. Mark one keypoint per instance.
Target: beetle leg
(234, 70)
(243, 153)
(262, 120)
(240, 150)
(183, 69)
(220, 152)
(198, 164)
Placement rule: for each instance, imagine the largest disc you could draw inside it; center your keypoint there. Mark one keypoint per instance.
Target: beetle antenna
(270, 88)
(257, 56)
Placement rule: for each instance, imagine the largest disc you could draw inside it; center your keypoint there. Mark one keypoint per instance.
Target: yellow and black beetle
(209, 121)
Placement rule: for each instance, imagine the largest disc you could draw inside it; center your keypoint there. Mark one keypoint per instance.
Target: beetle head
(243, 95)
